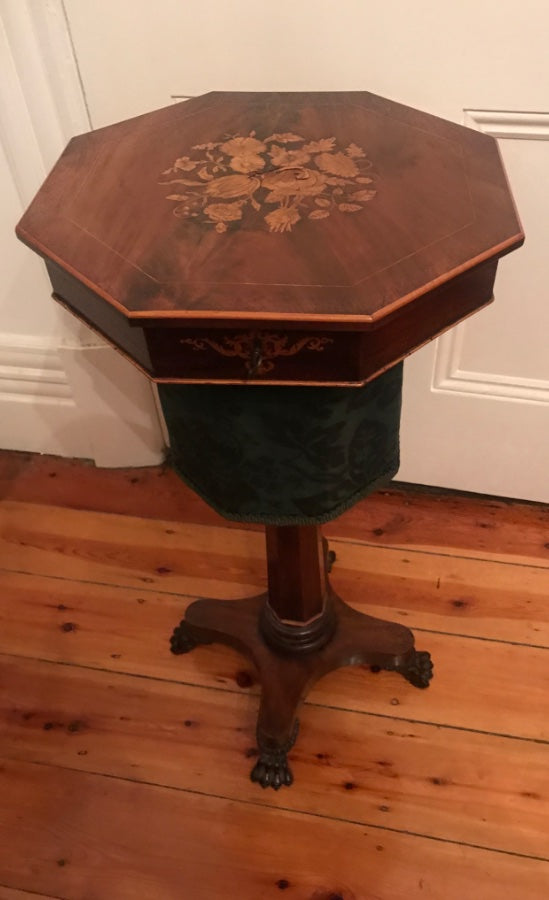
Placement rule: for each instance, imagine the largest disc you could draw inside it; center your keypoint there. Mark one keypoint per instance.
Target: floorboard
(483, 685)
(401, 514)
(479, 684)
(100, 837)
(454, 593)
(454, 784)
(124, 770)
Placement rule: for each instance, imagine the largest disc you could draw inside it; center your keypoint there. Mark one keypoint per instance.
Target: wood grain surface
(401, 516)
(396, 774)
(280, 238)
(430, 201)
(125, 770)
(10, 894)
(96, 849)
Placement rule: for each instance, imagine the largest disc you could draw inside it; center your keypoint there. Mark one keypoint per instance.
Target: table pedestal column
(293, 634)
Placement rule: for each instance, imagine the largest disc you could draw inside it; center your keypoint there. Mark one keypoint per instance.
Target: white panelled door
(476, 410)
(476, 407)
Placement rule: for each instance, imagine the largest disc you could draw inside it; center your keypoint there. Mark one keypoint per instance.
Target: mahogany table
(268, 260)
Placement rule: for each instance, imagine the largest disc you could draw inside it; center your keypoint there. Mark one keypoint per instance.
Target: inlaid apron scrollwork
(259, 349)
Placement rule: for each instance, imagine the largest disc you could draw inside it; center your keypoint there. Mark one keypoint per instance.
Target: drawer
(258, 355)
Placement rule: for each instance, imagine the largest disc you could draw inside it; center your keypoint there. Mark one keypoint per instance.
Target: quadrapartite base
(356, 639)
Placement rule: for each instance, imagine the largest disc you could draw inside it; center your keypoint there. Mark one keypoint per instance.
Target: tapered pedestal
(290, 655)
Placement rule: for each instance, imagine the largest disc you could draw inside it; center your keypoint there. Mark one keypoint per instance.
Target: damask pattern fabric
(284, 455)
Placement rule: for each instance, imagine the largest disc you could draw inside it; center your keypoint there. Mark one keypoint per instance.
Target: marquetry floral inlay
(259, 350)
(283, 178)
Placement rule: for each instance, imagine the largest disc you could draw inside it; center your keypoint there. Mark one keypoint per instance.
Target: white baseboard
(37, 408)
(76, 401)
(116, 406)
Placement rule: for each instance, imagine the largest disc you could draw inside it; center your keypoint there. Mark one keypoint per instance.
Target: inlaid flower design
(284, 178)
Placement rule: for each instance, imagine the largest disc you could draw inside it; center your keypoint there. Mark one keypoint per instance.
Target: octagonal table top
(282, 210)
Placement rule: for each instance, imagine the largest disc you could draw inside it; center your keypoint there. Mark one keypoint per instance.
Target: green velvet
(284, 455)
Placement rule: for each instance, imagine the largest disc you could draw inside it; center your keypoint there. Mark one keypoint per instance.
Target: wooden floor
(124, 770)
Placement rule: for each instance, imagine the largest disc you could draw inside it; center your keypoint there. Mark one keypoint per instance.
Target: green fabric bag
(284, 455)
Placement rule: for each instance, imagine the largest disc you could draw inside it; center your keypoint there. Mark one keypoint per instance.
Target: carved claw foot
(418, 668)
(182, 639)
(272, 768)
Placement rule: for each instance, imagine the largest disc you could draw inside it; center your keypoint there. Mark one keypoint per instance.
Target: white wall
(52, 369)
(439, 56)
(37, 406)
(23, 277)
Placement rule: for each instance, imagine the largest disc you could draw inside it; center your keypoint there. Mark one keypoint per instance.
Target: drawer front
(260, 356)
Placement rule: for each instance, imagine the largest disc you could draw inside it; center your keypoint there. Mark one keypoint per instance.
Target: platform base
(286, 677)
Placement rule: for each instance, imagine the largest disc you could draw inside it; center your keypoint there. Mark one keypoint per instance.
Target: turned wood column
(296, 571)
(298, 615)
